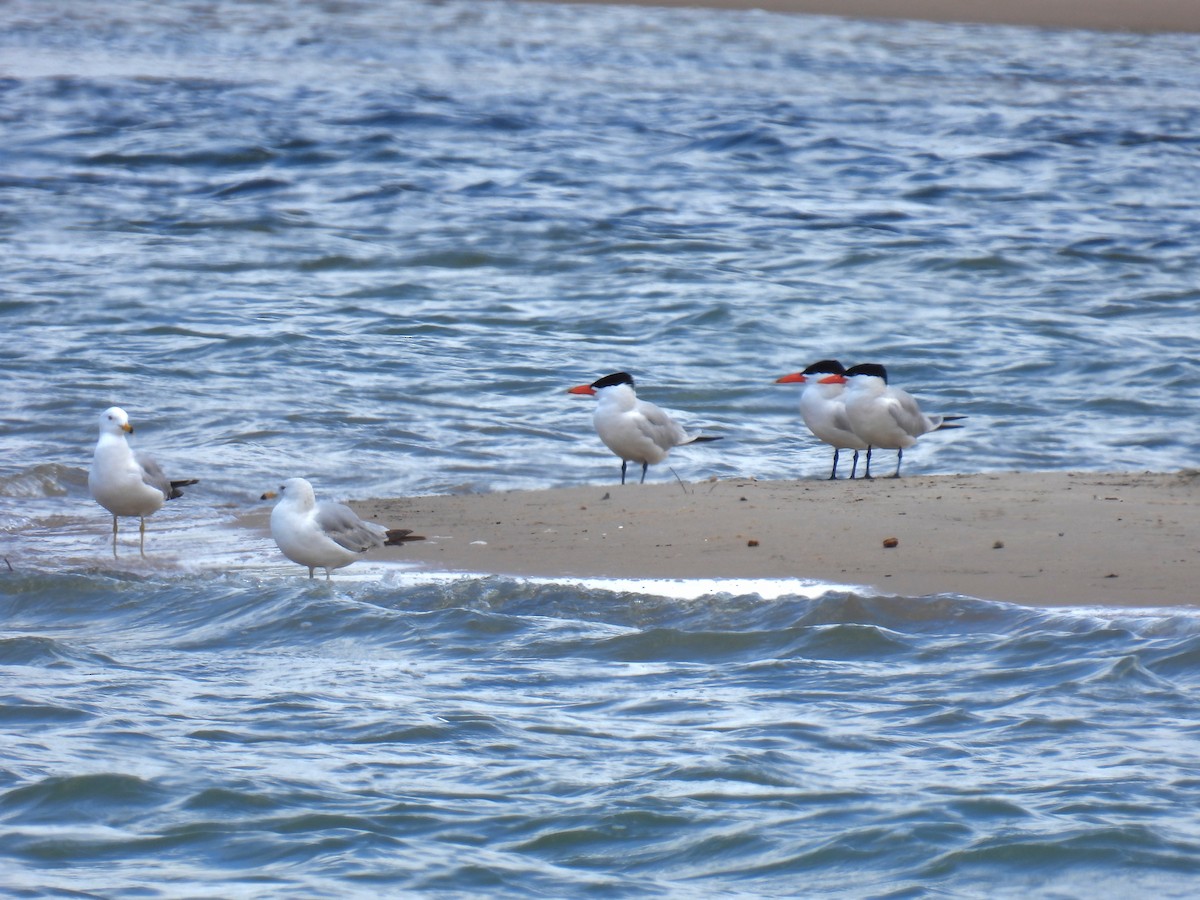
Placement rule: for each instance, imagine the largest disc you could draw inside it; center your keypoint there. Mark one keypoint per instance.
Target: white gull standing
(324, 535)
(125, 483)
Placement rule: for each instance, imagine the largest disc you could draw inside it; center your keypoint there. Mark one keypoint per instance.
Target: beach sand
(1105, 15)
(1044, 539)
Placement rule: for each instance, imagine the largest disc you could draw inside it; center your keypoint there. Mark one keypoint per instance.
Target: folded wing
(343, 526)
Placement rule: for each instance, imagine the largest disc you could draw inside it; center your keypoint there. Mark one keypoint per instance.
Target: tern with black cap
(824, 410)
(635, 430)
(884, 416)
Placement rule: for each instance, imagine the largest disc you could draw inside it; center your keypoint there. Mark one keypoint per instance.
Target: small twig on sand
(680, 480)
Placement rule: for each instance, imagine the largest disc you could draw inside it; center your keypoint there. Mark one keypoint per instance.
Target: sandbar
(1042, 539)
(1102, 15)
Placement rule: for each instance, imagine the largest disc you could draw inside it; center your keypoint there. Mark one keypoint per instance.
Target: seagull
(125, 483)
(824, 410)
(633, 429)
(886, 416)
(326, 535)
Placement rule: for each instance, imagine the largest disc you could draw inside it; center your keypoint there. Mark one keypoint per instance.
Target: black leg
(623, 464)
(645, 466)
(899, 459)
(833, 474)
(854, 467)
(868, 472)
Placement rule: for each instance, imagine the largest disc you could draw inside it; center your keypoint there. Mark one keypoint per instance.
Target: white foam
(676, 588)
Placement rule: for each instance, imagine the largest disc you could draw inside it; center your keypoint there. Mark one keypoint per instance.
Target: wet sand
(1046, 539)
(1105, 15)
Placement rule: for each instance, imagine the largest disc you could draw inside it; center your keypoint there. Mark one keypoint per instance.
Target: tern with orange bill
(884, 416)
(635, 430)
(823, 409)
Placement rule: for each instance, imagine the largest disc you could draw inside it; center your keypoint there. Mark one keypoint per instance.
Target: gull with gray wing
(126, 483)
(324, 534)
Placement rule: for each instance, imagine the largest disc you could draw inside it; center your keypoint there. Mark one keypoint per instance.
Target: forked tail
(947, 422)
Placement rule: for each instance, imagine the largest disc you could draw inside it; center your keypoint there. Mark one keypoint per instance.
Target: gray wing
(841, 421)
(903, 407)
(660, 427)
(343, 526)
(153, 475)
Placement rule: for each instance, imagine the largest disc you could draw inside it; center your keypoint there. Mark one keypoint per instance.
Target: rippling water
(376, 243)
(276, 737)
(372, 244)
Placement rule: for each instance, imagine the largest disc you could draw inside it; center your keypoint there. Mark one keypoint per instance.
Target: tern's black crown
(613, 379)
(868, 369)
(825, 367)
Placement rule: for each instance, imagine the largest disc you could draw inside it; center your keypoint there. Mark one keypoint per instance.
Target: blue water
(272, 737)
(373, 244)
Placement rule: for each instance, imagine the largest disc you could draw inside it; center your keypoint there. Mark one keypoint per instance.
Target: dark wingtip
(705, 438)
(400, 536)
(176, 493)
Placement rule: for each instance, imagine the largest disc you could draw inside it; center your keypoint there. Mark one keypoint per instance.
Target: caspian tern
(125, 483)
(324, 535)
(633, 429)
(886, 416)
(824, 410)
